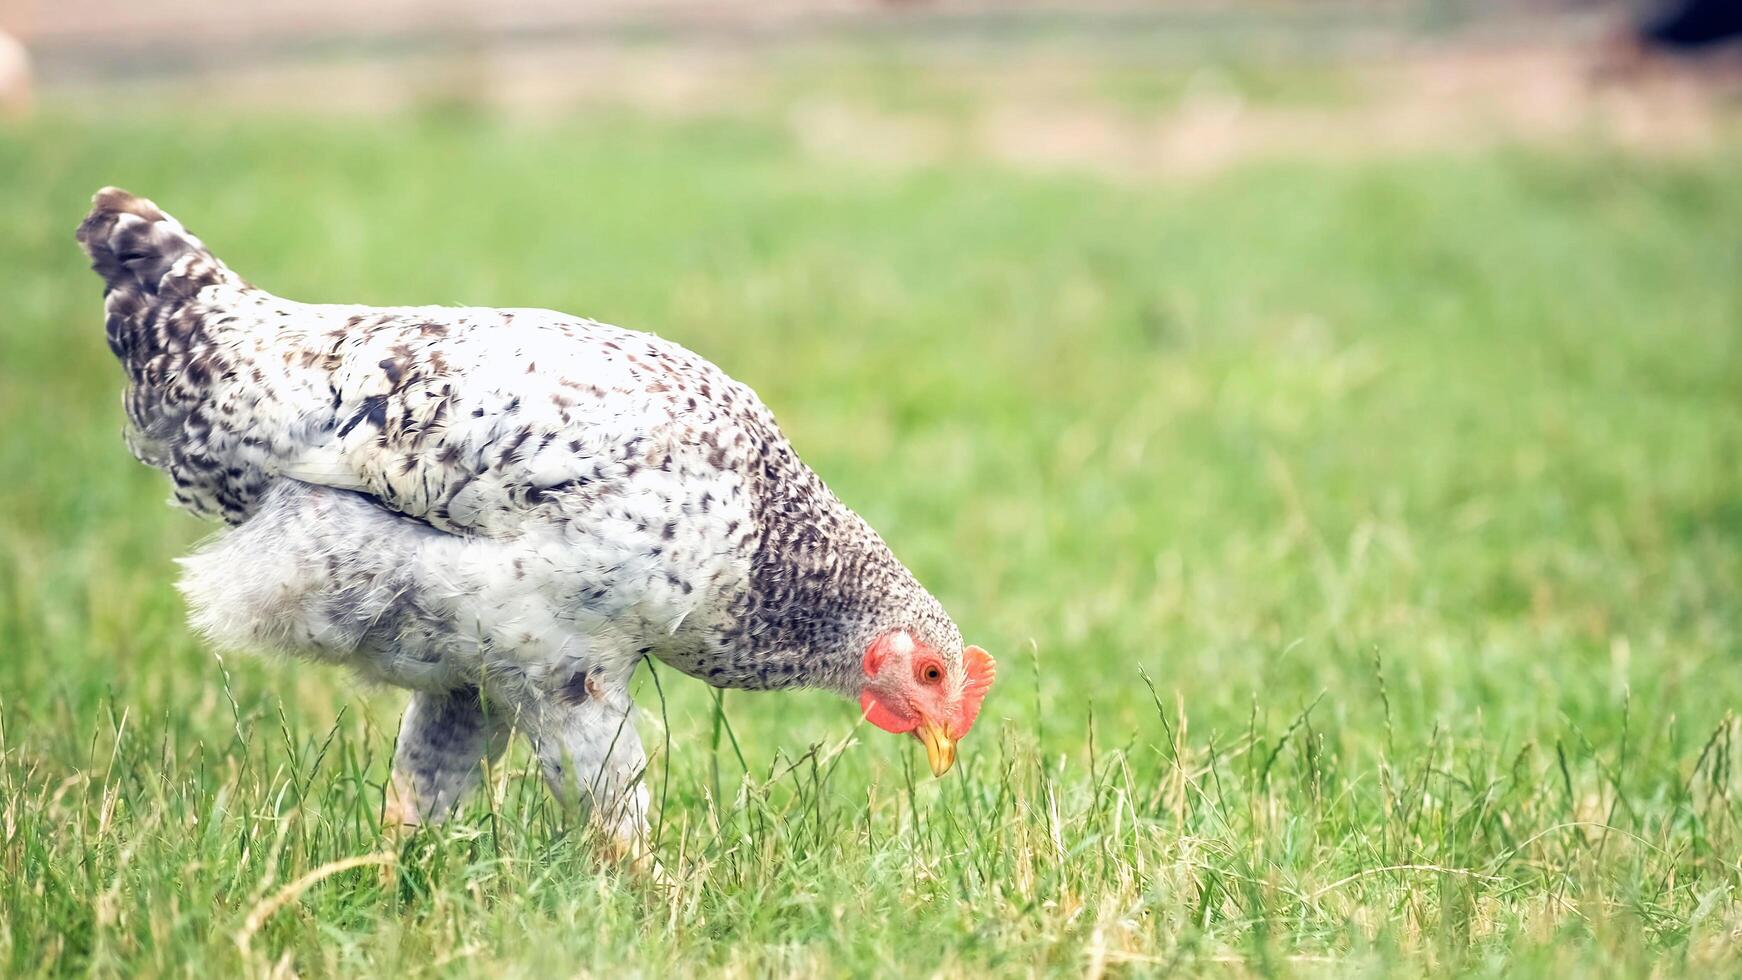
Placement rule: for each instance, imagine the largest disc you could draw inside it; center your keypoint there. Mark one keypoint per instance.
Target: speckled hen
(504, 511)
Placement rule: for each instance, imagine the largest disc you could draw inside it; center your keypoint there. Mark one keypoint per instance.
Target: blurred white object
(14, 77)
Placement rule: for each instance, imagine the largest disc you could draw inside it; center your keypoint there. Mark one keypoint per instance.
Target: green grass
(1414, 487)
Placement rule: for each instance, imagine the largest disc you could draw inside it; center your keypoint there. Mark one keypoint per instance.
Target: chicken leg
(444, 740)
(592, 756)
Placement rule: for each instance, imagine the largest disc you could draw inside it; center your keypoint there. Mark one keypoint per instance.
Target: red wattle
(878, 714)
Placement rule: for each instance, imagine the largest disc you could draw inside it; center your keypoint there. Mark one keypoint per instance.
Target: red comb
(981, 669)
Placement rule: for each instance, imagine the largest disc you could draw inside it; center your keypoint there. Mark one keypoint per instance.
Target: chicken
(504, 511)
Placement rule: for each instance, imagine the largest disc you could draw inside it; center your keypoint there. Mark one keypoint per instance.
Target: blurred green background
(1368, 380)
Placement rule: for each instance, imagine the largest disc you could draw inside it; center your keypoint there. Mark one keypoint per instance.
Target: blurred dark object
(1682, 34)
(1692, 25)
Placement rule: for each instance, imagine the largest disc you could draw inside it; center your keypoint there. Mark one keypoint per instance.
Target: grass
(1358, 542)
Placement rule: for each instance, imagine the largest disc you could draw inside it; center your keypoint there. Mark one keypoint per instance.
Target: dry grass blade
(269, 906)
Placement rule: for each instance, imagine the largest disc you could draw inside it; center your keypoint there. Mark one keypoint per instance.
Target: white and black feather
(432, 494)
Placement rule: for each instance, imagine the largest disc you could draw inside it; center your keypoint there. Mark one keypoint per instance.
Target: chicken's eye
(931, 674)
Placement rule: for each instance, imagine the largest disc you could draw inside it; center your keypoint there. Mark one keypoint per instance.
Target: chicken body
(502, 511)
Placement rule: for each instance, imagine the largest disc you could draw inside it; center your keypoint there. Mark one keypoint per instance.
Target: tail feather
(136, 247)
(152, 267)
(166, 328)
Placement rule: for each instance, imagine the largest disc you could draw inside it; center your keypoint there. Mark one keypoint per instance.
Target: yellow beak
(940, 748)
